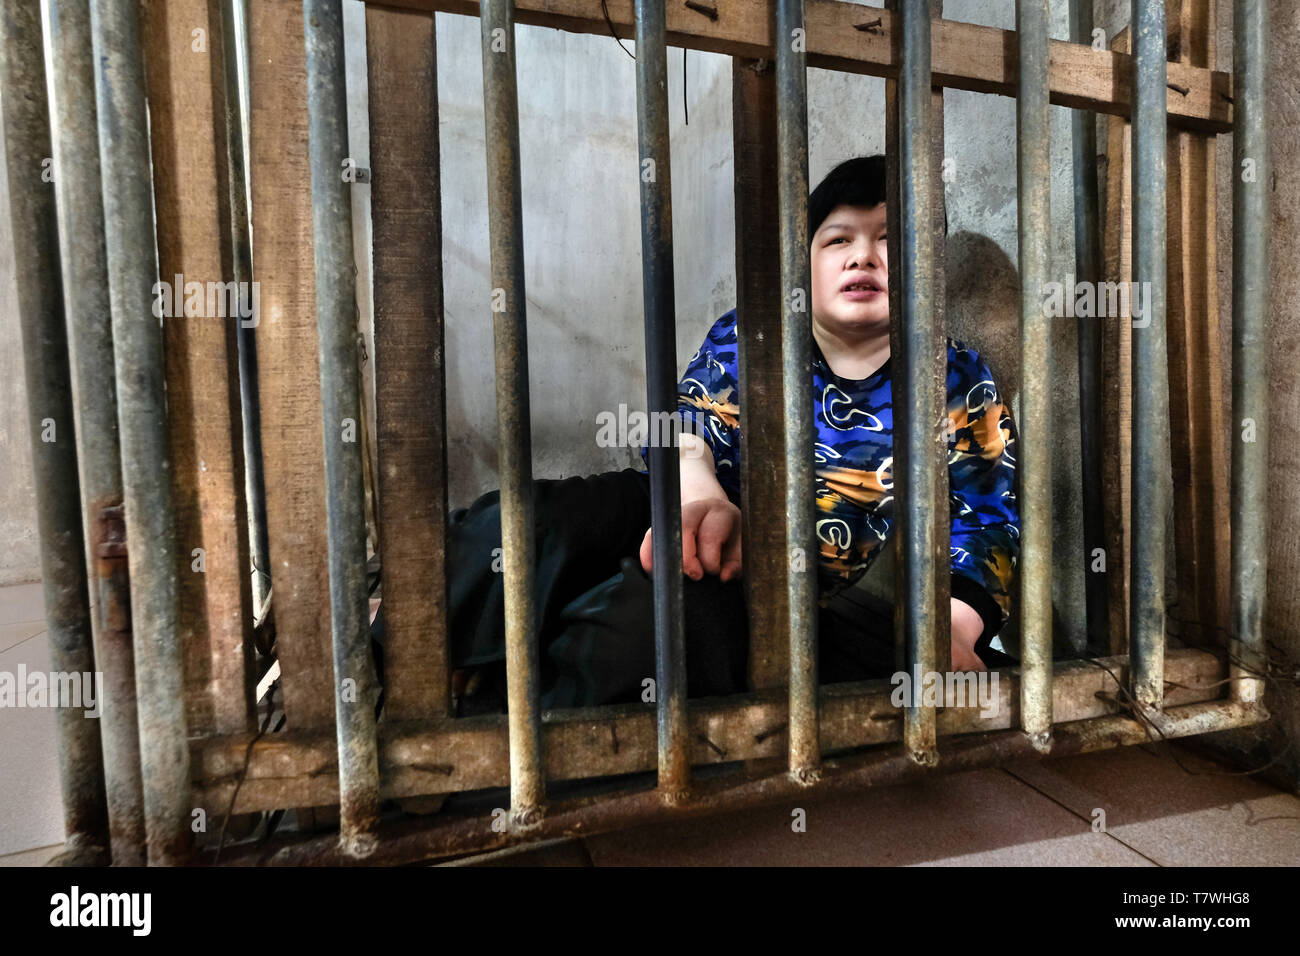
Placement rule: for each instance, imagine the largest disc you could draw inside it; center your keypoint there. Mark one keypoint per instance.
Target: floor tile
(1204, 817)
(38, 857)
(11, 635)
(31, 802)
(22, 602)
(927, 821)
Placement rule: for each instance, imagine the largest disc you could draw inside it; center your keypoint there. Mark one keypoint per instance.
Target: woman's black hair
(855, 182)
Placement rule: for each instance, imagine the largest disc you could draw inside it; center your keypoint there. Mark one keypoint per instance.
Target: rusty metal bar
(920, 456)
(510, 331)
(1251, 185)
(654, 165)
(591, 815)
(142, 422)
(355, 685)
(796, 340)
(1088, 268)
(50, 423)
(90, 334)
(1034, 187)
(1151, 469)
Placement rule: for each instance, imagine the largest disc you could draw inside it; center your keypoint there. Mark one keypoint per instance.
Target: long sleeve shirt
(854, 465)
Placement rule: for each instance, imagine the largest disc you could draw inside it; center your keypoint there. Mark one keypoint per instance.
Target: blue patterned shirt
(854, 465)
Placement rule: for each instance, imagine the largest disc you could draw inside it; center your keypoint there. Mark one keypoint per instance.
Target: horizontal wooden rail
(857, 39)
(300, 768)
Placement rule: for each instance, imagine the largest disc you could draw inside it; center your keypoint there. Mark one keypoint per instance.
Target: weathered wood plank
(758, 298)
(1116, 375)
(410, 384)
(452, 755)
(1196, 399)
(856, 39)
(288, 361)
(186, 88)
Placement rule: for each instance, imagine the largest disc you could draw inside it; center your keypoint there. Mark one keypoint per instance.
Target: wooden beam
(758, 300)
(1196, 394)
(287, 770)
(288, 362)
(410, 385)
(857, 39)
(1116, 374)
(187, 93)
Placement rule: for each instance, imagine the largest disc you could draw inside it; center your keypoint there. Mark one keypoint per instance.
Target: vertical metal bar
(242, 272)
(90, 334)
(661, 384)
(142, 421)
(1251, 177)
(1150, 367)
(50, 419)
(920, 456)
(354, 702)
(510, 330)
(796, 307)
(1034, 186)
(1088, 268)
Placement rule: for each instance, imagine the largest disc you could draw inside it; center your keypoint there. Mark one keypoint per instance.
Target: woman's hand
(967, 626)
(710, 539)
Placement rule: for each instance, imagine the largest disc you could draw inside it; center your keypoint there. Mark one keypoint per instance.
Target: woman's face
(850, 272)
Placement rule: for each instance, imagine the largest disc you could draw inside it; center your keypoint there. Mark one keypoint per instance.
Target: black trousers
(595, 606)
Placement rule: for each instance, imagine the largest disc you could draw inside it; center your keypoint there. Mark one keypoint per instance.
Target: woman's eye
(837, 239)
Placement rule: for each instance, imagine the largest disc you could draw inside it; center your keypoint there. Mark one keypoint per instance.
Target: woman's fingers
(647, 552)
(710, 540)
(731, 560)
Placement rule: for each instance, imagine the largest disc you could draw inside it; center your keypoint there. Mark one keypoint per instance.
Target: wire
(248, 756)
(612, 33)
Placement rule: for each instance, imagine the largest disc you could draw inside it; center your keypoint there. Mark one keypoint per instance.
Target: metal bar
(1088, 268)
(90, 333)
(796, 342)
(50, 421)
(356, 688)
(920, 456)
(510, 331)
(654, 163)
(296, 769)
(1250, 240)
(586, 816)
(142, 421)
(234, 46)
(1151, 469)
(1034, 187)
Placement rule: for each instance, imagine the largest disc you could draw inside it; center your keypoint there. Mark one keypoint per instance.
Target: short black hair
(855, 182)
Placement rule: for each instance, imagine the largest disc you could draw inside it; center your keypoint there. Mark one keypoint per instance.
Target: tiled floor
(1157, 813)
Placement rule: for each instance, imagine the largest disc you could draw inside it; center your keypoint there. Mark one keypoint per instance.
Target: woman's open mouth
(861, 292)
